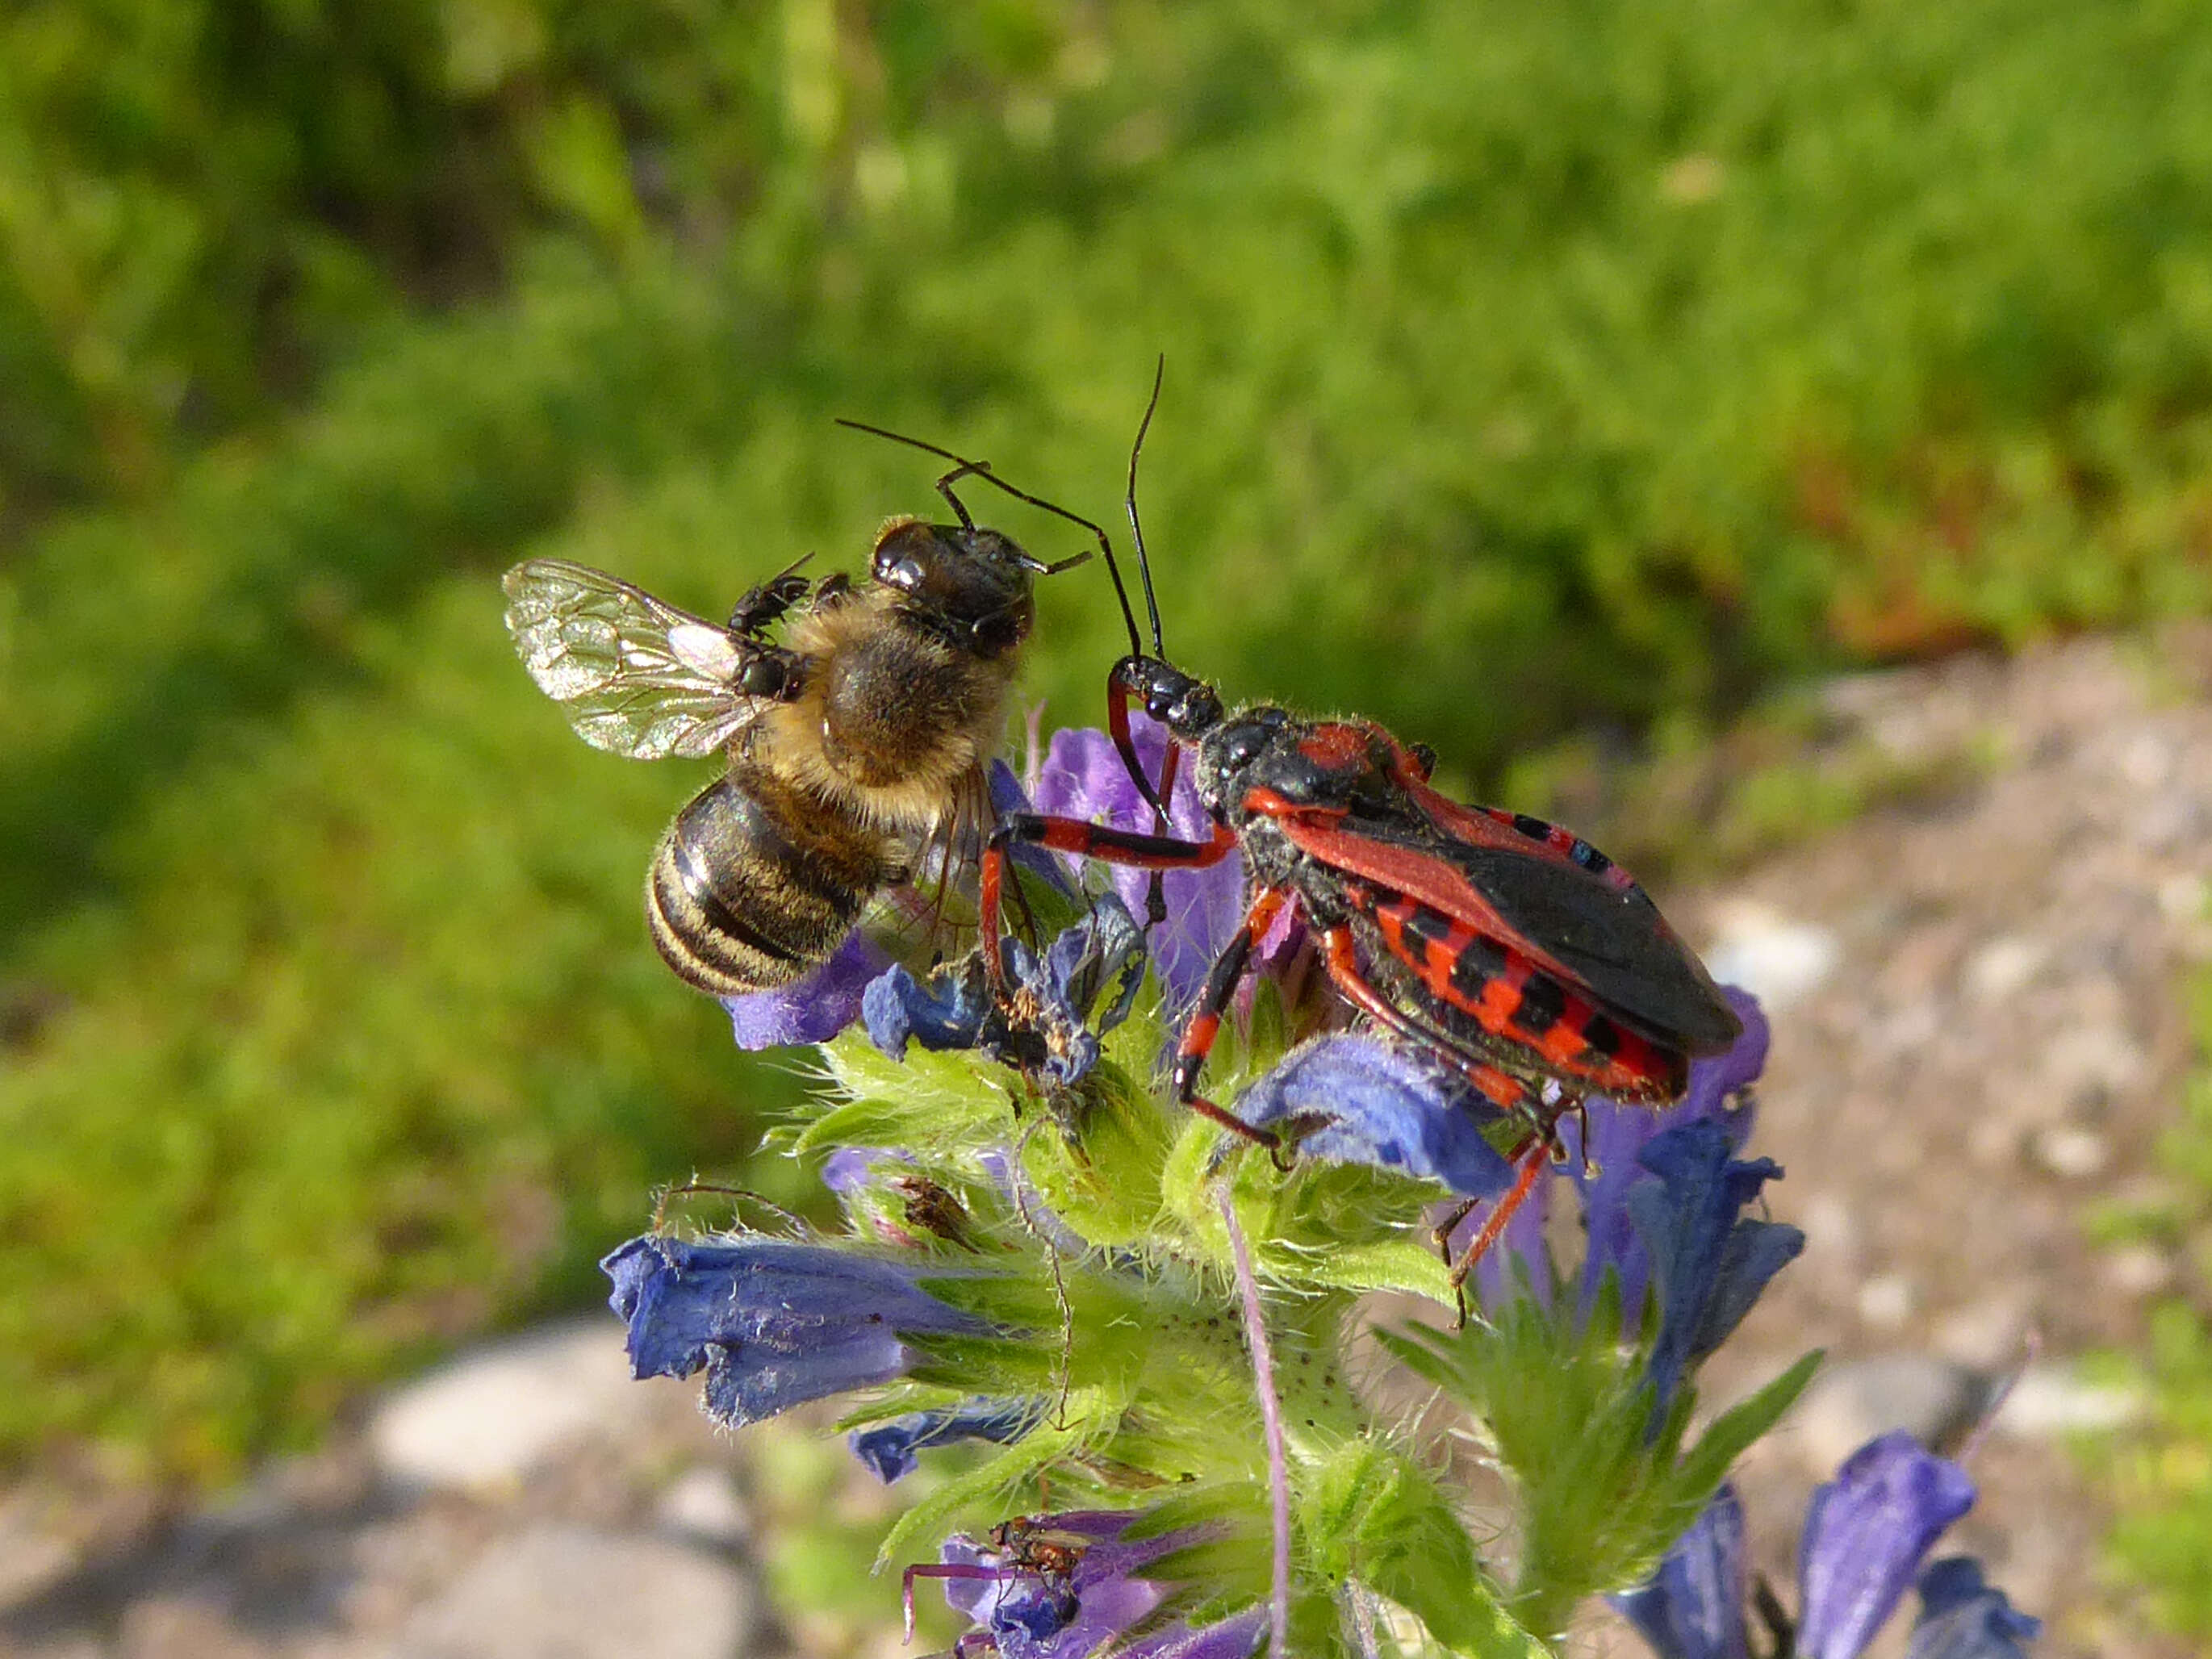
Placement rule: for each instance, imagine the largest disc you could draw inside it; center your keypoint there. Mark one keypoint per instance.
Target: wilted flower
(773, 1323)
(1065, 1586)
(889, 1448)
(1048, 1026)
(1866, 1533)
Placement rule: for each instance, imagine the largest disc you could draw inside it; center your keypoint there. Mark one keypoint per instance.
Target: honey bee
(855, 743)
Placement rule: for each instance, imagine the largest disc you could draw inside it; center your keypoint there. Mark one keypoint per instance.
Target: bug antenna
(965, 468)
(1136, 525)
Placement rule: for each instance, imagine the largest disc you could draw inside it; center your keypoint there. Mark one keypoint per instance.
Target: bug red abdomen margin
(1569, 1032)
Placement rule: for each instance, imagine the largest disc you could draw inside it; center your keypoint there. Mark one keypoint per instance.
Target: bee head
(973, 587)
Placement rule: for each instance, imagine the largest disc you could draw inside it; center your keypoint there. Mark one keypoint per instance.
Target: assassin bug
(1513, 949)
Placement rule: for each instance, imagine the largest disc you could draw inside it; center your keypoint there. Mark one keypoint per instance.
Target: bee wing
(936, 912)
(637, 677)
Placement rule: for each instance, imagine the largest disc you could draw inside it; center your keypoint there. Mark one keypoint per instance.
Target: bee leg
(1205, 1024)
(764, 604)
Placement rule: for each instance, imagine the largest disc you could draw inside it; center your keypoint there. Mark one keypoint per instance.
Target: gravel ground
(1977, 1037)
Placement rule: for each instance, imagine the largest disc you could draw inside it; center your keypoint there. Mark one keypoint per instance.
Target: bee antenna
(1136, 525)
(965, 468)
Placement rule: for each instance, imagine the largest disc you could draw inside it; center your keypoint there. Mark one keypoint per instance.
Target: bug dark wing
(637, 677)
(1609, 940)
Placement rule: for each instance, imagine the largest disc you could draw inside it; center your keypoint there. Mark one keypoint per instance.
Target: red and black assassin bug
(1513, 949)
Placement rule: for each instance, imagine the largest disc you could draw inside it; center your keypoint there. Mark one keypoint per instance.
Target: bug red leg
(1506, 1092)
(1089, 841)
(1205, 1024)
(1119, 695)
(1531, 1164)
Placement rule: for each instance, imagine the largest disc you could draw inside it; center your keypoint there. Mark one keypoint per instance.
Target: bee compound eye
(903, 573)
(1001, 630)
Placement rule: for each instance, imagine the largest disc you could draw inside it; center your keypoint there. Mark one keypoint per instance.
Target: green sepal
(1397, 1264)
(1604, 1489)
(1103, 1179)
(988, 1488)
(1370, 1515)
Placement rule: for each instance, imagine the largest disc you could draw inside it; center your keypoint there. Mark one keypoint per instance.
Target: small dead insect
(1028, 1547)
(855, 743)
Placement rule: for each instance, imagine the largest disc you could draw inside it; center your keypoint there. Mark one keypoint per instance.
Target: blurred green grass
(1533, 370)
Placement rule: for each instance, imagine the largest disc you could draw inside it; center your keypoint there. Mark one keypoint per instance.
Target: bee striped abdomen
(751, 888)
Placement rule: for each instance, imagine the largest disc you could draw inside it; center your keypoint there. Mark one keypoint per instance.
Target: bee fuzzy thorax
(890, 719)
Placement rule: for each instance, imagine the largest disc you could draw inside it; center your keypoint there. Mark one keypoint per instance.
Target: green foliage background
(1530, 367)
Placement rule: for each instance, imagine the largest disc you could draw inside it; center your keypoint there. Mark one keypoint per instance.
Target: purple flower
(1083, 777)
(1961, 1617)
(812, 1008)
(1064, 1586)
(1710, 1262)
(1692, 1607)
(1048, 1027)
(773, 1323)
(1353, 1100)
(849, 1168)
(1866, 1533)
(889, 1448)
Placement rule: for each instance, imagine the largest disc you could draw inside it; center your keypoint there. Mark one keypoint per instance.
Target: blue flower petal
(812, 1008)
(1235, 1638)
(1865, 1534)
(1962, 1617)
(947, 1012)
(890, 1449)
(1709, 1265)
(1618, 1135)
(1716, 1080)
(1693, 1606)
(1357, 1100)
(773, 1322)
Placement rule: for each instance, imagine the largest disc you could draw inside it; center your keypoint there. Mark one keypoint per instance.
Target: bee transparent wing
(936, 912)
(637, 677)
